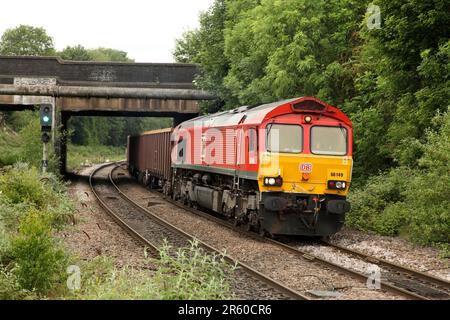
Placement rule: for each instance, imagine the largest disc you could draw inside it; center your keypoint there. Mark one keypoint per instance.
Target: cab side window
(252, 140)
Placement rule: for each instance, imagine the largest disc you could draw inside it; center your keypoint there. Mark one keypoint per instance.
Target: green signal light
(46, 119)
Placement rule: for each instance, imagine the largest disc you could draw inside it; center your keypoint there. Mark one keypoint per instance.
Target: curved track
(153, 232)
(400, 280)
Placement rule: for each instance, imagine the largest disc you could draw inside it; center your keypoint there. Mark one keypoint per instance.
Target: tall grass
(190, 274)
(78, 156)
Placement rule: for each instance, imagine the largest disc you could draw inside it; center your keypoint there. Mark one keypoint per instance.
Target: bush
(10, 288)
(415, 202)
(22, 187)
(39, 261)
(10, 213)
(370, 201)
(4, 242)
(9, 147)
(31, 260)
(192, 275)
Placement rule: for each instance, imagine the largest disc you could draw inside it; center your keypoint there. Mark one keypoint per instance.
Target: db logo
(306, 167)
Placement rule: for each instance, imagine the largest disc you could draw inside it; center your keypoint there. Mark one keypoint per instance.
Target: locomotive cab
(305, 171)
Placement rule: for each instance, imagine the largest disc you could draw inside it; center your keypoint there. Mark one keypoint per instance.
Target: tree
(26, 40)
(76, 53)
(206, 47)
(186, 48)
(107, 54)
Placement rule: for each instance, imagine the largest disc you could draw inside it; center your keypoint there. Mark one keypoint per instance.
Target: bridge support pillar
(60, 142)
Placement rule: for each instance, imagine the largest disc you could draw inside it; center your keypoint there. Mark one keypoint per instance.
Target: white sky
(145, 29)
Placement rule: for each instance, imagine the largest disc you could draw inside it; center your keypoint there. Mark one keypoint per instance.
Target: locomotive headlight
(337, 185)
(308, 119)
(273, 182)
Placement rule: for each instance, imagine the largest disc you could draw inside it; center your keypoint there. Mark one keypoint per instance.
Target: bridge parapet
(111, 74)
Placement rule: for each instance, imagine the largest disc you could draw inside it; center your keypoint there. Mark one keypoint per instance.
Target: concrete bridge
(99, 89)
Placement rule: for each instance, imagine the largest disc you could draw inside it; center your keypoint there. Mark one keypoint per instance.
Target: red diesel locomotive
(281, 168)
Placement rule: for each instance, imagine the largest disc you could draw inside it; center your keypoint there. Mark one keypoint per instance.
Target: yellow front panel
(296, 168)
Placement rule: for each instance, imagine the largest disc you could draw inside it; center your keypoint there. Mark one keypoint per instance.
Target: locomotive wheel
(249, 227)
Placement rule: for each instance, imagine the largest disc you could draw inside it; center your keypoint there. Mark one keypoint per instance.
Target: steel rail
(115, 217)
(254, 273)
(391, 265)
(306, 255)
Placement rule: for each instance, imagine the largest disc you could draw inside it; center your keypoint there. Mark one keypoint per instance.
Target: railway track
(397, 279)
(153, 232)
(413, 280)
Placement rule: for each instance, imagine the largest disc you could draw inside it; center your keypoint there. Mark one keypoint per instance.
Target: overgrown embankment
(34, 263)
(411, 201)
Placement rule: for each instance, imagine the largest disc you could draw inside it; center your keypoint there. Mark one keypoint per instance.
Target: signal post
(46, 119)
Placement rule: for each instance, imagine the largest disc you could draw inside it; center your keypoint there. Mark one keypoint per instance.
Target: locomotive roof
(254, 115)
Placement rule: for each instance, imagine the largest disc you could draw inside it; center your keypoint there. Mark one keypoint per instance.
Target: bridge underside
(91, 106)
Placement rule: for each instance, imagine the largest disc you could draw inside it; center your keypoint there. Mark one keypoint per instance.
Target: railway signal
(46, 116)
(45, 138)
(46, 119)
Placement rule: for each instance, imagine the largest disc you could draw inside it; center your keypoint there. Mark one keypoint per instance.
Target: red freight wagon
(148, 156)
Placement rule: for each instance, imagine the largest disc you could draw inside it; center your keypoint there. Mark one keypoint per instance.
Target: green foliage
(108, 54)
(26, 145)
(18, 120)
(370, 201)
(10, 288)
(78, 156)
(254, 52)
(206, 47)
(190, 274)
(76, 53)
(33, 263)
(391, 81)
(22, 187)
(9, 147)
(39, 261)
(414, 203)
(369, 128)
(111, 131)
(31, 150)
(26, 41)
(31, 208)
(79, 53)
